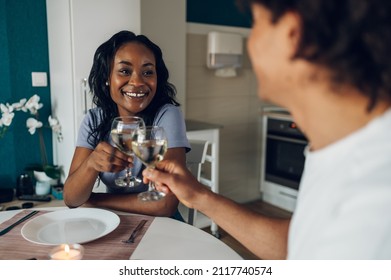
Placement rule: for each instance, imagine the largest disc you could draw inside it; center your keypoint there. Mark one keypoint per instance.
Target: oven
(282, 161)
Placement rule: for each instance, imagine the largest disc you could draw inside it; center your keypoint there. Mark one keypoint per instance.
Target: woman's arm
(85, 167)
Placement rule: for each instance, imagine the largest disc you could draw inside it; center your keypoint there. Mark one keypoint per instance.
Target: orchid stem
(42, 147)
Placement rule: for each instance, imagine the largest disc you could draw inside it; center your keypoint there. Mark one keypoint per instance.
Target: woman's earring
(107, 84)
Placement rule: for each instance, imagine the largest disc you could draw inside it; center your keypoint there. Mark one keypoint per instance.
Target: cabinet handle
(287, 139)
(84, 91)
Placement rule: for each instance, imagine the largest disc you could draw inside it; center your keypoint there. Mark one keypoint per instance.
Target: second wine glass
(149, 146)
(122, 131)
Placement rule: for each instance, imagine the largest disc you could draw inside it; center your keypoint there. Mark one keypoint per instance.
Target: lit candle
(67, 252)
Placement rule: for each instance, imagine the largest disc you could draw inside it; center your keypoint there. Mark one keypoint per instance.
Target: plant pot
(43, 188)
(41, 176)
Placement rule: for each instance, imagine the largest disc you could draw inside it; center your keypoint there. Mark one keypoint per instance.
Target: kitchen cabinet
(197, 130)
(77, 27)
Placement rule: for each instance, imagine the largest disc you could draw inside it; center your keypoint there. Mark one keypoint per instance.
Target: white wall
(164, 22)
(232, 103)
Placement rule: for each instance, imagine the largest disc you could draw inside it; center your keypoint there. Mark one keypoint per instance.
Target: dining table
(161, 238)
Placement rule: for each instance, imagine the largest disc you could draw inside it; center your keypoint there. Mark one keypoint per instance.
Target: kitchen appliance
(282, 161)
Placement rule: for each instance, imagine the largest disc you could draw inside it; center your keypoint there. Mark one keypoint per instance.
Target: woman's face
(133, 79)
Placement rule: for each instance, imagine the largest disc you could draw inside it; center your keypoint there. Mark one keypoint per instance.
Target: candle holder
(67, 252)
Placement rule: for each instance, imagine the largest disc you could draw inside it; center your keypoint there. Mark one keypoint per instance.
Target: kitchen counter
(273, 110)
(18, 204)
(192, 125)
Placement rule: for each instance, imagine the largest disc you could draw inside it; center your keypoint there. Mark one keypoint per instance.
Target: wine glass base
(151, 196)
(128, 182)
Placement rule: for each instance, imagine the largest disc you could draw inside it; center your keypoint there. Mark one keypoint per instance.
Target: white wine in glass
(149, 146)
(122, 131)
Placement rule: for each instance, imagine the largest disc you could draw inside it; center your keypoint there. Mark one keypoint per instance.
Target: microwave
(283, 158)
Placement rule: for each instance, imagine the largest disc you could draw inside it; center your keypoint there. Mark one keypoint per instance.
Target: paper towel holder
(225, 52)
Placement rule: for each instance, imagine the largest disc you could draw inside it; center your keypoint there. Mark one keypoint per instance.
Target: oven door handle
(286, 139)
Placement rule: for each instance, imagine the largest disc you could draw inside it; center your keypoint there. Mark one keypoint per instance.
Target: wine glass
(149, 146)
(122, 130)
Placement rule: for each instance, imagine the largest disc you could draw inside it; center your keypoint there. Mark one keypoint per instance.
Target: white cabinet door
(93, 23)
(75, 29)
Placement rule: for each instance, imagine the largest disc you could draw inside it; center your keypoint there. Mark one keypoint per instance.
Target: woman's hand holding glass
(107, 158)
(122, 131)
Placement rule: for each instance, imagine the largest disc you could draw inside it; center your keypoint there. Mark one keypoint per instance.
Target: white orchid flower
(10, 108)
(7, 114)
(32, 124)
(3, 108)
(53, 121)
(7, 108)
(56, 127)
(19, 106)
(6, 118)
(33, 104)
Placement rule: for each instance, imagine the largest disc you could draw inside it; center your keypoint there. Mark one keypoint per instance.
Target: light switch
(39, 79)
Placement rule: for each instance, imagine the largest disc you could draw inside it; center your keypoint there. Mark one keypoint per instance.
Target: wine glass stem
(151, 184)
(128, 175)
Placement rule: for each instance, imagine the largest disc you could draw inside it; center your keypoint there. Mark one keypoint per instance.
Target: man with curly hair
(328, 62)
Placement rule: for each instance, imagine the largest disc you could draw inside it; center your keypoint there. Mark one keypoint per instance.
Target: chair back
(196, 157)
(194, 160)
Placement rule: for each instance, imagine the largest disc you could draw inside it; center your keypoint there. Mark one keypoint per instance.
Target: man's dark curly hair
(350, 38)
(100, 74)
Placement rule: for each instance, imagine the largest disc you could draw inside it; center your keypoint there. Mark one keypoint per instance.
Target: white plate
(79, 225)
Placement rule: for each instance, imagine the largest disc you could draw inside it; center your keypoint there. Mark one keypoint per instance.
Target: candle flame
(66, 249)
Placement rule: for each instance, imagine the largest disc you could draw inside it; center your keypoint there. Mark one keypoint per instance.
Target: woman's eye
(124, 71)
(149, 73)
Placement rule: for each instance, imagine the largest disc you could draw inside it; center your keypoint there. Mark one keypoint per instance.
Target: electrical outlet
(39, 79)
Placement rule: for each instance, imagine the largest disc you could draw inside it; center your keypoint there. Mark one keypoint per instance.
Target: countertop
(192, 125)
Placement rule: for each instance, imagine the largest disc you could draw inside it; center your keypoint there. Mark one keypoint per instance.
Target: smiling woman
(128, 78)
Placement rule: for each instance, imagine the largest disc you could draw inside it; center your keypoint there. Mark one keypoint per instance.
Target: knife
(7, 229)
(135, 232)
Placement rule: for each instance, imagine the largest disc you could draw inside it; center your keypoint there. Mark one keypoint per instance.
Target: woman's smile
(135, 93)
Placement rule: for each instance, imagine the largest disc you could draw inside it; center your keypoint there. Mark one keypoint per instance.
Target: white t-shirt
(344, 205)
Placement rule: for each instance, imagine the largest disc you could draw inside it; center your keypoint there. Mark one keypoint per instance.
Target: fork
(135, 232)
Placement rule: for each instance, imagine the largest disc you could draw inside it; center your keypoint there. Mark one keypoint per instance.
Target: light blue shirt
(169, 117)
